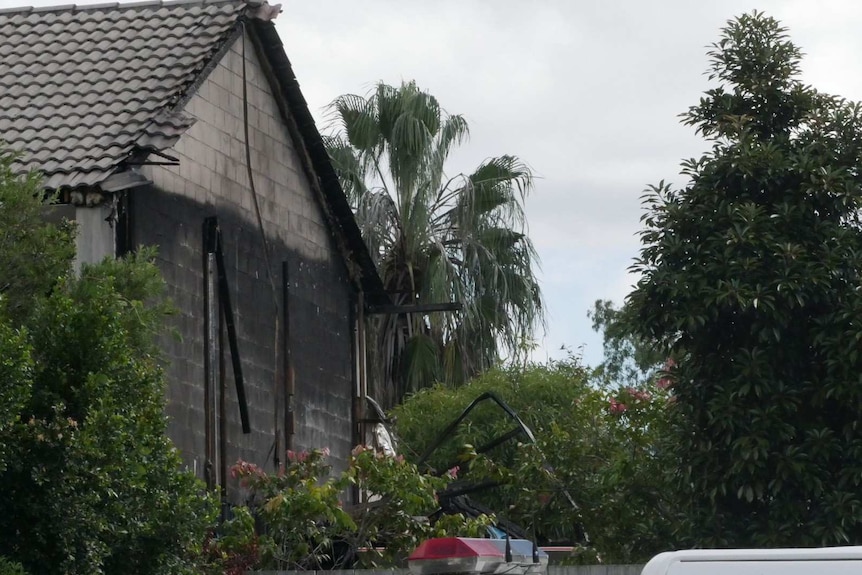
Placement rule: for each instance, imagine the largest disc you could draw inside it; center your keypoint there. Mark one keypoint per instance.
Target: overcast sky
(586, 92)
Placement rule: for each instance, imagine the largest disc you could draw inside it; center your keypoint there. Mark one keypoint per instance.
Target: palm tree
(435, 239)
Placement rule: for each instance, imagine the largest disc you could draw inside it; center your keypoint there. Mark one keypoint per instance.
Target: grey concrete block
(212, 180)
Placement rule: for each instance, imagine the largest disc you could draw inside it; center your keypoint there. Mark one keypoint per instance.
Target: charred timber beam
(215, 244)
(418, 308)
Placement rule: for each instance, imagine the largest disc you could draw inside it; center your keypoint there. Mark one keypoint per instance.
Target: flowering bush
(300, 508)
(394, 519)
(236, 548)
(307, 526)
(601, 445)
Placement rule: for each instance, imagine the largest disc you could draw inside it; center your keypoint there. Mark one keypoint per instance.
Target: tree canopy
(91, 484)
(751, 282)
(436, 239)
(34, 254)
(629, 359)
(595, 477)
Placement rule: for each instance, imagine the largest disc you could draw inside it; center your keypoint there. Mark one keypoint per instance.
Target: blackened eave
(323, 176)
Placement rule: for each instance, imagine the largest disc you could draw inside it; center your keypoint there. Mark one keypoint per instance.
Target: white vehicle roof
(664, 562)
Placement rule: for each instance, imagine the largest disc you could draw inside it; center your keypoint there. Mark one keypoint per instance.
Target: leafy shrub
(8, 567)
(602, 446)
(305, 525)
(92, 484)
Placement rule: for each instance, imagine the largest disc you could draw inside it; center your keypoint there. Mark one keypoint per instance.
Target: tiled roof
(83, 87)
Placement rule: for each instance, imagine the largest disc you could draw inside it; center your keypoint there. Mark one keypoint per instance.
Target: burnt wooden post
(362, 379)
(210, 352)
(230, 324)
(222, 412)
(218, 316)
(289, 379)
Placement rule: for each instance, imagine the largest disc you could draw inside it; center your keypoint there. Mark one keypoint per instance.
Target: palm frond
(461, 239)
(420, 362)
(454, 131)
(348, 167)
(377, 217)
(358, 119)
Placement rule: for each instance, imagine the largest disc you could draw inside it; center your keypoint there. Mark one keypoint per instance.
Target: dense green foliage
(436, 239)
(629, 359)
(305, 525)
(11, 567)
(34, 254)
(90, 482)
(603, 446)
(751, 278)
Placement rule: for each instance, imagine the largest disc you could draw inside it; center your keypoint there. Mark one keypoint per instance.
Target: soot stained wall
(320, 333)
(211, 180)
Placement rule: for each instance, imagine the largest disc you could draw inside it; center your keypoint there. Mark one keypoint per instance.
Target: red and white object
(449, 555)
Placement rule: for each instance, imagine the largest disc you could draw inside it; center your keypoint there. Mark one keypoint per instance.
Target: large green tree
(435, 238)
(751, 276)
(91, 484)
(34, 256)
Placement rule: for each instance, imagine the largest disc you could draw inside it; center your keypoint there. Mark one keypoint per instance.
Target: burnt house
(182, 126)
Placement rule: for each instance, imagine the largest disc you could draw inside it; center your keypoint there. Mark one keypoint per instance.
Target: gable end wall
(211, 180)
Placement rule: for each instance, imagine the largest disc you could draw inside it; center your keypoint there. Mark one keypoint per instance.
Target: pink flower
(453, 473)
(245, 469)
(637, 394)
(291, 455)
(616, 407)
(325, 451)
(663, 383)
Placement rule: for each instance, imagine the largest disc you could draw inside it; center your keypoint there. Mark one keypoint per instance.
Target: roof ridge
(122, 5)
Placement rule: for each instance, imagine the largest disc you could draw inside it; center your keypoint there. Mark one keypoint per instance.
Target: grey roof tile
(83, 87)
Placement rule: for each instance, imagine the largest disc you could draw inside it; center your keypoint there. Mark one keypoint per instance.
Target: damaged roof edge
(336, 200)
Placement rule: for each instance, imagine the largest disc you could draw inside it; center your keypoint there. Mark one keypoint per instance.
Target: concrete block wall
(212, 180)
